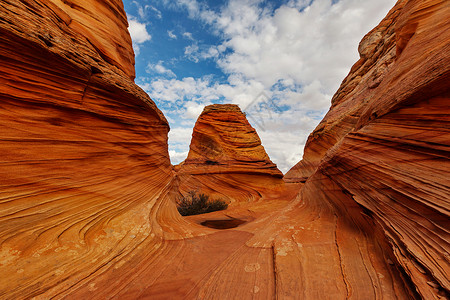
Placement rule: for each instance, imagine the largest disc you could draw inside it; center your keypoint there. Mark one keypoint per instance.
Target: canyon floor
(88, 193)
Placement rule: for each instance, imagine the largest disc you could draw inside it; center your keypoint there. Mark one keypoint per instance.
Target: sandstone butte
(87, 198)
(226, 158)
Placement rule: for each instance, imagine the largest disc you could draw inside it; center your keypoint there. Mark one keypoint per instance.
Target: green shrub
(195, 204)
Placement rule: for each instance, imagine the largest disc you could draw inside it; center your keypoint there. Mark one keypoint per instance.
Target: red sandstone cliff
(384, 144)
(382, 65)
(83, 150)
(223, 141)
(87, 191)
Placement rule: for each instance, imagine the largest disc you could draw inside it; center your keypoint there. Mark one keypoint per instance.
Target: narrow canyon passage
(88, 193)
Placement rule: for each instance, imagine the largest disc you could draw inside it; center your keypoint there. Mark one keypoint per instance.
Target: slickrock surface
(83, 150)
(87, 198)
(385, 141)
(226, 157)
(381, 61)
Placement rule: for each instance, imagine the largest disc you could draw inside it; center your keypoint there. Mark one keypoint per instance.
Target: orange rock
(74, 132)
(223, 141)
(226, 158)
(385, 143)
(87, 190)
(103, 25)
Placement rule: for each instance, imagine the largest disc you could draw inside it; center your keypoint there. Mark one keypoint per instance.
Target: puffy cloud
(159, 69)
(171, 34)
(138, 33)
(204, 90)
(188, 35)
(186, 89)
(177, 156)
(211, 52)
(303, 43)
(296, 54)
(179, 139)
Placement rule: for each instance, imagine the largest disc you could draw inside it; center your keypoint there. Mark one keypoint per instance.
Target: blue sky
(280, 61)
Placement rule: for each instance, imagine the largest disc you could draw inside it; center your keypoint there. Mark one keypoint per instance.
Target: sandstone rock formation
(226, 149)
(223, 141)
(87, 190)
(385, 141)
(83, 150)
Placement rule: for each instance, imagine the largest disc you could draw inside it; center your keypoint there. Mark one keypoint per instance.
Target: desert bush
(197, 203)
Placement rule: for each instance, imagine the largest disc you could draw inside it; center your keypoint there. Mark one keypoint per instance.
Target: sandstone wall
(83, 150)
(87, 190)
(385, 141)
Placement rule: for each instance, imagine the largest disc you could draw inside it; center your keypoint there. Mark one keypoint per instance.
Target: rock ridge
(87, 197)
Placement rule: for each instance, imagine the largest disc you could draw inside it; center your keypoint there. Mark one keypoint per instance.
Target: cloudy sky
(280, 61)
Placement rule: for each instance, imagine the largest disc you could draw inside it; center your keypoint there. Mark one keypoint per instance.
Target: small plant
(195, 204)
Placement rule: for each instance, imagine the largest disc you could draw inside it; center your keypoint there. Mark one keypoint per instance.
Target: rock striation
(385, 142)
(223, 141)
(226, 157)
(380, 51)
(87, 198)
(83, 150)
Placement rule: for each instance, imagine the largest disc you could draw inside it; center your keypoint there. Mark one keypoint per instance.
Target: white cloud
(179, 140)
(211, 52)
(171, 34)
(186, 89)
(194, 9)
(138, 33)
(194, 109)
(191, 52)
(157, 13)
(188, 36)
(284, 145)
(204, 90)
(316, 44)
(192, 6)
(159, 69)
(297, 54)
(142, 10)
(196, 53)
(177, 156)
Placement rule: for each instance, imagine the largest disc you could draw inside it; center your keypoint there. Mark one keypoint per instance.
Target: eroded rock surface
(83, 150)
(226, 157)
(87, 190)
(223, 141)
(385, 142)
